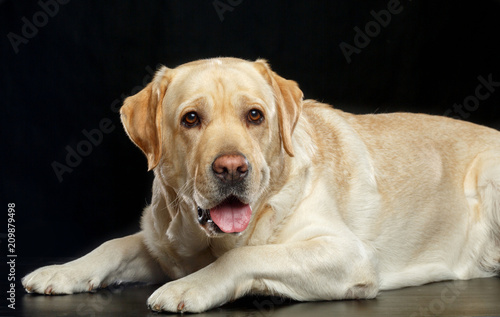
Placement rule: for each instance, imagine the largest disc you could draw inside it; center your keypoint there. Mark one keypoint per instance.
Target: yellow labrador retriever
(257, 191)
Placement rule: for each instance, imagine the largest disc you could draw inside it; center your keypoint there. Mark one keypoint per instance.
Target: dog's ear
(288, 98)
(141, 115)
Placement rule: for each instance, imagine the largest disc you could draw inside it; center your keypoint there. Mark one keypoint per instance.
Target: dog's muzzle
(231, 215)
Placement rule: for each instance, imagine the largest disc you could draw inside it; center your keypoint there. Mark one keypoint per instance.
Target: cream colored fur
(343, 205)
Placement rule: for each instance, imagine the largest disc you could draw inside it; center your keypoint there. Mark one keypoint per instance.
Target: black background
(73, 73)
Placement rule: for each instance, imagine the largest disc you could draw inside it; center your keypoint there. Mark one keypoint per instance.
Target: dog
(257, 191)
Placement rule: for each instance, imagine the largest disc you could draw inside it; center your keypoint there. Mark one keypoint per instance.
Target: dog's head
(215, 130)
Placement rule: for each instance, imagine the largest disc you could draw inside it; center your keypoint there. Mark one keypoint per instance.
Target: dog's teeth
(203, 216)
(200, 214)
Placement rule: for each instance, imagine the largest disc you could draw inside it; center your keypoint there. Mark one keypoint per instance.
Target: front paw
(188, 295)
(59, 279)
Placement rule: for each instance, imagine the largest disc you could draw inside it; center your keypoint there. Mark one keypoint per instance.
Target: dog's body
(257, 191)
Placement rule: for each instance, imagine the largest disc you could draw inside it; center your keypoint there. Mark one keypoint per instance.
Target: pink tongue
(231, 215)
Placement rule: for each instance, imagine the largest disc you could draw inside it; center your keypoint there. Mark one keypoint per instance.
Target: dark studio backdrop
(66, 66)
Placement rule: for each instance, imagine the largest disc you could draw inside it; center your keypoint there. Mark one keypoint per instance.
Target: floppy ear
(288, 98)
(141, 115)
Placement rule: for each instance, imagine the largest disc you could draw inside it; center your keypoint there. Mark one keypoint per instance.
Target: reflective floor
(479, 297)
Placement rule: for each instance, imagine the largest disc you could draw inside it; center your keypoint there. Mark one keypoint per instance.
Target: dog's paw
(59, 279)
(188, 295)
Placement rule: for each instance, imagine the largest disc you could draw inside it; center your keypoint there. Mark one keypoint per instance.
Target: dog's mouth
(230, 216)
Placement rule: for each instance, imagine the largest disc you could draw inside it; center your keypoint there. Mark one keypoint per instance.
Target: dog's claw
(181, 306)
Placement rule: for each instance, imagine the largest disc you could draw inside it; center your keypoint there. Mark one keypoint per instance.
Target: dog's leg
(120, 260)
(318, 269)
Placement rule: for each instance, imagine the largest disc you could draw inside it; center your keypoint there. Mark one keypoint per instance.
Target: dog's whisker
(186, 190)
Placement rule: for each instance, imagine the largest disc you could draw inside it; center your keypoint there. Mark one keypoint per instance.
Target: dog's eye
(191, 119)
(255, 116)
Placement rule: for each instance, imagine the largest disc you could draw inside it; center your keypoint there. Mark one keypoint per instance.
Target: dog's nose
(230, 168)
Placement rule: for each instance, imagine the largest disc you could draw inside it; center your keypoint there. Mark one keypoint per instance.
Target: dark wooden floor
(479, 297)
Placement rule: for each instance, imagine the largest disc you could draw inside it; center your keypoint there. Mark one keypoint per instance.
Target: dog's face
(215, 130)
